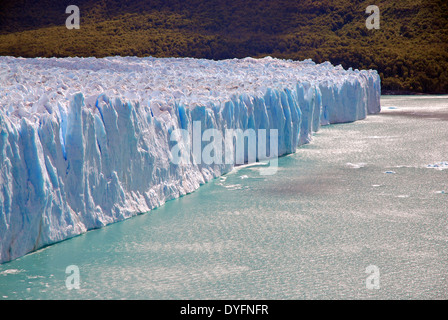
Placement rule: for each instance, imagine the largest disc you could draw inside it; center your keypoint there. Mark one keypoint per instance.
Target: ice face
(86, 142)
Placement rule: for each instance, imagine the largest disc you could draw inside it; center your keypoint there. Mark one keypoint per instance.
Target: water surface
(373, 192)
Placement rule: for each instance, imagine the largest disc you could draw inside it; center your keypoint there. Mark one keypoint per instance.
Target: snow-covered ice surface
(86, 142)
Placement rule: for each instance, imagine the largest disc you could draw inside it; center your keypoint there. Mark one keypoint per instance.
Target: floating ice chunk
(356, 165)
(10, 271)
(439, 165)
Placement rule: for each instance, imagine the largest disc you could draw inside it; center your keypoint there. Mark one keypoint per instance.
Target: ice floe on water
(356, 165)
(438, 165)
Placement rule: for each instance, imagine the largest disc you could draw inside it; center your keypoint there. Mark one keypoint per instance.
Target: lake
(360, 213)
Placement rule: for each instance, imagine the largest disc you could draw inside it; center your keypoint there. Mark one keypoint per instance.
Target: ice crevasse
(85, 142)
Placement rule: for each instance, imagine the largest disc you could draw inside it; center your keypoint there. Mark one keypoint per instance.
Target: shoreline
(407, 93)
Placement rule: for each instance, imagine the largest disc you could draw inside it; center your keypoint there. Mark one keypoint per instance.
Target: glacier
(85, 142)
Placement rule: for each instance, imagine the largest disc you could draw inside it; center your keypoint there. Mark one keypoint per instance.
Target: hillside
(410, 50)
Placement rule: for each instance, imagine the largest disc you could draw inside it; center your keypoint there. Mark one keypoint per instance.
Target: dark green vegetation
(410, 50)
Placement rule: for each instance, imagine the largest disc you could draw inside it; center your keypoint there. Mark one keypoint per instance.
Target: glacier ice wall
(85, 142)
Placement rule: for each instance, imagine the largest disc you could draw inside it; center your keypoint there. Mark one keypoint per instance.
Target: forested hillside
(410, 50)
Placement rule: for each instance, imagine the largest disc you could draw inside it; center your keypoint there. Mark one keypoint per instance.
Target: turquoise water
(360, 194)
